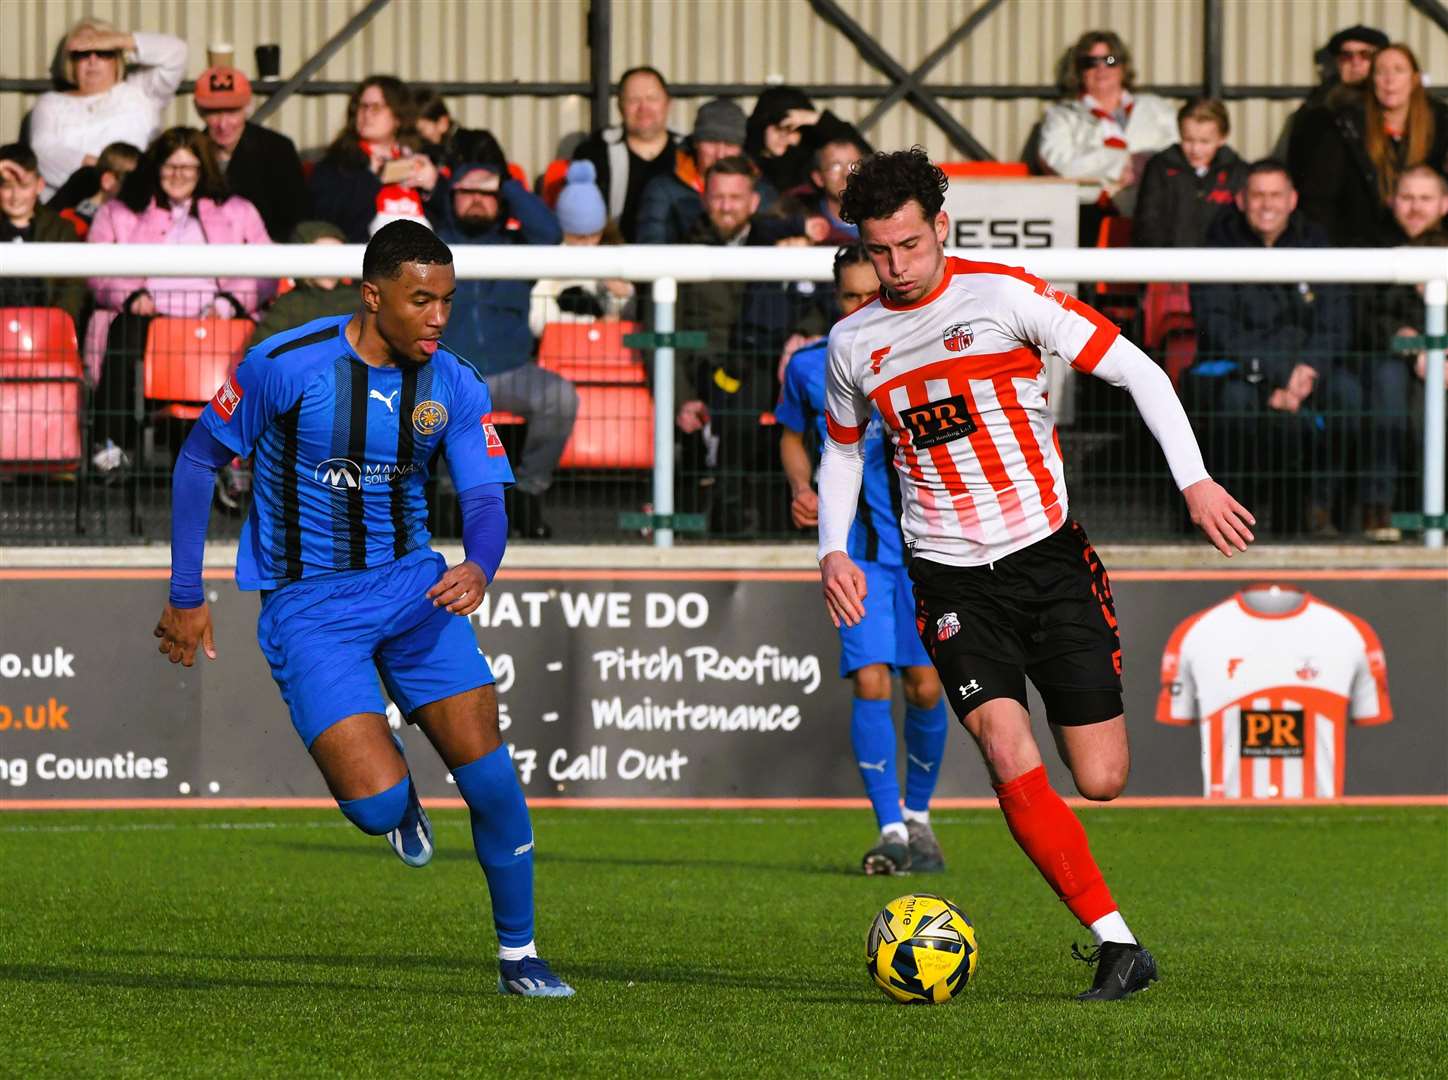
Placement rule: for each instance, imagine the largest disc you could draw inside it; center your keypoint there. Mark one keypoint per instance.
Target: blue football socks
(872, 731)
(380, 813)
(925, 734)
(503, 840)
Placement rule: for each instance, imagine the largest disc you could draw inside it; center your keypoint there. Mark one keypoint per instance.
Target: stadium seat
(520, 174)
(187, 360)
(614, 429)
(591, 353)
(1168, 308)
(550, 184)
(41, 381)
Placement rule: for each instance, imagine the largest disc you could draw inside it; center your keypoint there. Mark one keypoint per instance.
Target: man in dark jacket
(261, 165)
(1272, 360)
(24, 219)
(626, 158)
(672, 203)
(733, 381)
(489, 326)
(1186, 186)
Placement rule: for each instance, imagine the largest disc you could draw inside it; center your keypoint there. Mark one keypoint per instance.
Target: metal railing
(660, 271)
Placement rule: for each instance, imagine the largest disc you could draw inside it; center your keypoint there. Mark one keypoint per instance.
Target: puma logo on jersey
(938, 422)
(385, 400)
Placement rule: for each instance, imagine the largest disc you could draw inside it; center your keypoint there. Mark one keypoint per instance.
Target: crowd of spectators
(1361, 164)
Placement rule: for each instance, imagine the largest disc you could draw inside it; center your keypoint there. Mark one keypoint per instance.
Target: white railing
(667, 266)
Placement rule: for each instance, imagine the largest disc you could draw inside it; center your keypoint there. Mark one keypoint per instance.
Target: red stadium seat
(187, 360)
(518, 173)
(40, 391)
(550, 186)
(1168, 308)
(591, 353)
(614, 429)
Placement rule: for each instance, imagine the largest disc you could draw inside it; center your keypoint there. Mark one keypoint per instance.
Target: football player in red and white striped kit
(1006, 584)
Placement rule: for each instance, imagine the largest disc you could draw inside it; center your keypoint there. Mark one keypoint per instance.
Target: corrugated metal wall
(1265, 42)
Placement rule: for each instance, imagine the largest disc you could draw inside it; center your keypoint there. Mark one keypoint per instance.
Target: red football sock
(1053, 838)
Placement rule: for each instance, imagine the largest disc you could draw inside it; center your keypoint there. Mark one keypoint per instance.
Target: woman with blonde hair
(96, 102)
(1393, 126)
(1102, 133)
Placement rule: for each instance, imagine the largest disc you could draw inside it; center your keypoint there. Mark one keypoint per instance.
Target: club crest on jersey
(959, 337)
(947, 626)
(1307, 672)
(429, 417)
(938, 422)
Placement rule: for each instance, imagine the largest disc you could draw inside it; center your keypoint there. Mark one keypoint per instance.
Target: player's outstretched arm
(182, 631)
(1225, 521)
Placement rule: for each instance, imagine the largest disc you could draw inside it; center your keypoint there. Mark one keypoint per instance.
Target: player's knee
(922, 691)
(380, 813)
(872, 682)
(1102, 782)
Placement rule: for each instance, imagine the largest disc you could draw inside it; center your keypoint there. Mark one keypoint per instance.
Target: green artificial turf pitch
(1292, 942)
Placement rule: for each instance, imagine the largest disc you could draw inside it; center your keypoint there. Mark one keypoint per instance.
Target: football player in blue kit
(343, 417)
(887, 637)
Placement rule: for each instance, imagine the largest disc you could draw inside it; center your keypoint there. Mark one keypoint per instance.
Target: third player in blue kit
(887, 638)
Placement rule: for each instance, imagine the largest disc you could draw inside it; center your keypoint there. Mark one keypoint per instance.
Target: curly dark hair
(882, 183)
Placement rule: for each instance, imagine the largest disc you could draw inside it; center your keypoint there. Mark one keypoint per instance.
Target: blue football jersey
(341, 450)
(875, 534)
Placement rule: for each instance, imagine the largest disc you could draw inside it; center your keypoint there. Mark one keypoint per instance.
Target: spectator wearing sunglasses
(1101, 134)
(1344, 63)
(96, 102)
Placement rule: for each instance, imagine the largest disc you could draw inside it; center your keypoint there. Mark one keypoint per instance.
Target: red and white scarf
(1113, 131)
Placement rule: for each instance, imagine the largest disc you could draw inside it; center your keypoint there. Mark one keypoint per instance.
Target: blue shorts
(327, 640)
(887, 634)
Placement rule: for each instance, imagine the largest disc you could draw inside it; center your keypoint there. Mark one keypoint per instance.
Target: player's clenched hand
(1221, 517)
(460, 589)
(844, 585)
(804, 509)
(181, 630)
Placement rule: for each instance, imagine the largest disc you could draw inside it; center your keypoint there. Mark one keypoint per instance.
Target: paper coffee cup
(221, 54)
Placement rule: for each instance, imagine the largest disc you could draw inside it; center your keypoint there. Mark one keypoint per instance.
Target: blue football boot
(530, 977)
(412, 839)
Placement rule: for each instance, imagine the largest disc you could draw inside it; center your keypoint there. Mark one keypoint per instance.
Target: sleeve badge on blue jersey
(227, 398)
(429, 417)
(495, 443)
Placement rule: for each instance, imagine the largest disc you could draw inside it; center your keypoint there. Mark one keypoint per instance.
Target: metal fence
(95, 401)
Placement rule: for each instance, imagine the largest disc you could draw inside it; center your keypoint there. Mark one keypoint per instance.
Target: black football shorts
(1044, 613)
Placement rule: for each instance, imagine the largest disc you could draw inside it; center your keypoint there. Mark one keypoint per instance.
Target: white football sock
(530, 949)
(922, 816)
(1112, 928)
(896, 831)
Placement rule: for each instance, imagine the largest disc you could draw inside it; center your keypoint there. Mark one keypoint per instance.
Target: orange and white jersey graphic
(1273, 691)
(959, 380)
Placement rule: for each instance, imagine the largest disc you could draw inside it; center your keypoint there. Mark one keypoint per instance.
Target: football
(921, 949)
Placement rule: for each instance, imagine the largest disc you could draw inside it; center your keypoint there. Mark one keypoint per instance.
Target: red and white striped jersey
(1273, 673)
(959, 380)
